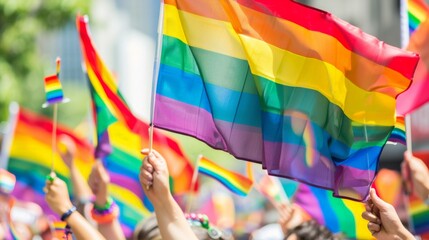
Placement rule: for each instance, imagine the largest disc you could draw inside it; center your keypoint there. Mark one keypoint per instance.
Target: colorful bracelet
(68, 213)
(106, 206)
(105, 215)
(200, 220)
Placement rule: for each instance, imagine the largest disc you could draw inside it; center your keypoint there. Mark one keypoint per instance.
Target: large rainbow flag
(306, 94)
(235, 182)
(121, 135)
(30, 157)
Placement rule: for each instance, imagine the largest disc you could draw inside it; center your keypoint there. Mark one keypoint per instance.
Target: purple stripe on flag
(103, 147)
(25, 193)
(127, 231)
(308, 199)
(292, 161)
(184, 118)
(131, 184)
(245, 141)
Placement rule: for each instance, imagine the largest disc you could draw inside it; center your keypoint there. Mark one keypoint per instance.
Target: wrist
(163, 201)
(67, 213)
(60, 211)
(101, 201)
(404, 234)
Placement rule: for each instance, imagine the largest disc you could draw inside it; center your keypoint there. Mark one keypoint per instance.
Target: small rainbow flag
(235, 182)
(398, 134)
(7, 181)
(53, 88)
(59, 228)
(417, 13)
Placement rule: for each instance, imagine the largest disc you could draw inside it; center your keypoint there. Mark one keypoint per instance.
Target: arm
(58, 200)
(98, 181)
(290, 216)
(384, 222)
(415, 169)
(171, 220)
(80, 187)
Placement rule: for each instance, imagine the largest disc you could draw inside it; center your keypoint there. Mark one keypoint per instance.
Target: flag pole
(193, 182)
(8, 135)
(405, 38)
(54, 137)
(156, 66)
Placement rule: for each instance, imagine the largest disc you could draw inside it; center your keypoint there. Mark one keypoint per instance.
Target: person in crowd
(384, 222)
(103, 211)
(58, 199)
(148, 228)
(296, 225)
(416, 174)
(172, 222)
(81, 191)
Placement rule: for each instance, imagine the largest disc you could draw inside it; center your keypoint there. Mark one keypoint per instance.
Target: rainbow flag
(121, 135)
(398, 134)
(417, 13)
(53, 88)
(7, 181)
(418, 25)
(31, 155)
(305, 94)
(419, 215)
(339, 215)
(30, 161)
(235, 182)
(59, 228)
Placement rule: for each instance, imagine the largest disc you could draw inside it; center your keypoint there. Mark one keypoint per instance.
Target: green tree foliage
(22, 22)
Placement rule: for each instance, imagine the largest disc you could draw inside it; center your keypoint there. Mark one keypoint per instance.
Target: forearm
(111, 230)
(80, 186)
(82, 229)
(171, 220)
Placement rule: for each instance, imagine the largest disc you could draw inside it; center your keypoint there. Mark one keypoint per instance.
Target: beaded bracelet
(198, 220)
(103, 214)
(201, 220)
(106, 206)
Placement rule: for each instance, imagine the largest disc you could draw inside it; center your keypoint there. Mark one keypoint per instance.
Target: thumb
(378, 202)
(145, 151)
(407, 156)
(156, 163)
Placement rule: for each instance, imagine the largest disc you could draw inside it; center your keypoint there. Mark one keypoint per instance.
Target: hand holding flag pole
(54, 95)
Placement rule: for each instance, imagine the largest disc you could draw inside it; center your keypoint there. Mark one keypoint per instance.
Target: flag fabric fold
(121, 135)
(305, 94)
